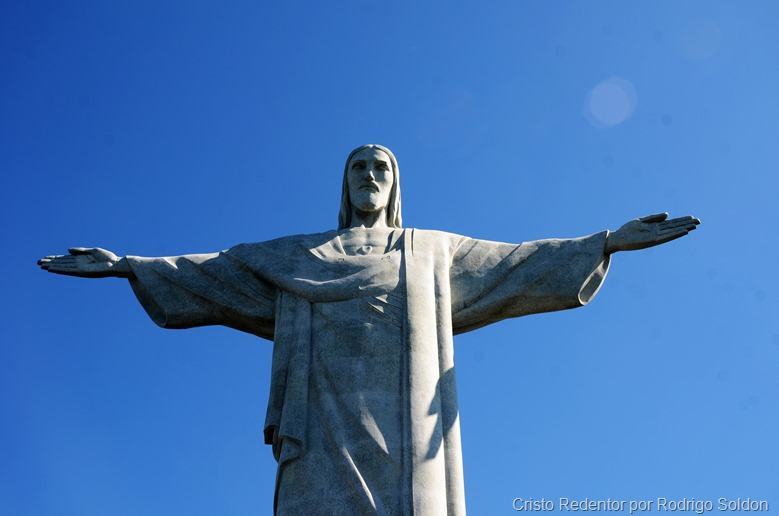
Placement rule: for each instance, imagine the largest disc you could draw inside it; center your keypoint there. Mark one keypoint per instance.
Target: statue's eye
(358, 166)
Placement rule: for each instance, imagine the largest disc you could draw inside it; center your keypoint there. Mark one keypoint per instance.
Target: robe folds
(363, 414)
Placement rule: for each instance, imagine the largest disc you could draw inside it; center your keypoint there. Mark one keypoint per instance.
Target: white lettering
(684, 505)
(640, 506)
(742, 504)
(531, 504)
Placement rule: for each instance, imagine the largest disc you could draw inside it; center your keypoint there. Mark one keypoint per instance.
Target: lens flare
(610, 102)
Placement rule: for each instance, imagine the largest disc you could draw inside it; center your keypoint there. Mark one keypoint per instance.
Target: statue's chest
(365, 244)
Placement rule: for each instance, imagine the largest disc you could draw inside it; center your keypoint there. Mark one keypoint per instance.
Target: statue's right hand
(86, 262)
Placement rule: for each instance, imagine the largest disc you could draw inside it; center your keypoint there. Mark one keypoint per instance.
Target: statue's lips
(372, 188)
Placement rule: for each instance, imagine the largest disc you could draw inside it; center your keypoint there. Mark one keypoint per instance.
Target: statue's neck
(371, 220)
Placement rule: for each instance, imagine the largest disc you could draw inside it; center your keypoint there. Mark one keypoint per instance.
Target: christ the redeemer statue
(363, 415)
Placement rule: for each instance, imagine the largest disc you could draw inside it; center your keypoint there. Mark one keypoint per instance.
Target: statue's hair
(393, 206)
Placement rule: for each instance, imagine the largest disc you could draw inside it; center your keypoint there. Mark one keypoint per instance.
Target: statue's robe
(363, 413)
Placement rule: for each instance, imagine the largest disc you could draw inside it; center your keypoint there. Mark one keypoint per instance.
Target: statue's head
(371, 184)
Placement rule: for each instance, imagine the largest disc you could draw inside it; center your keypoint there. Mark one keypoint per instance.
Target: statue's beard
(369, 203)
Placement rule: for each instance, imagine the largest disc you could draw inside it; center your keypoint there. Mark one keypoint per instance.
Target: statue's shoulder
(435, 239)
(286, 243)
(434, 234)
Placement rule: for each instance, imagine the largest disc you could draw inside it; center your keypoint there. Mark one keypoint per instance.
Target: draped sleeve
(491, 281)
(204, 289)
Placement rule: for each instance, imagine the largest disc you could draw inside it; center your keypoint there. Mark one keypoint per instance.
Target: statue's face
(370, 178)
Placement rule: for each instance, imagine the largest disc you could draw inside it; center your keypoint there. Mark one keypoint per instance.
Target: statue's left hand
(649, 231)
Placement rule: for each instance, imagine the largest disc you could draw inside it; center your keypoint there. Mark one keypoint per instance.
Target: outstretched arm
(649, 231)
(491, 281)
(182, 291)
(87, 262)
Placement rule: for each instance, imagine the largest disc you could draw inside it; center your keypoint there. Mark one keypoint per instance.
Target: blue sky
(159, 128)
